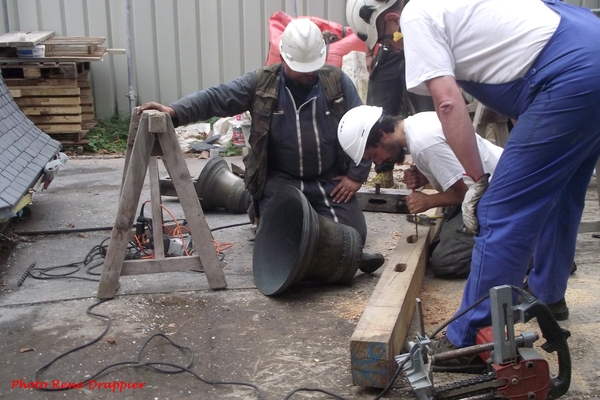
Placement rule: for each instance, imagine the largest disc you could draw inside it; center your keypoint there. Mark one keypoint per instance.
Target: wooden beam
(156, 202)
(31, 38)
(128, 202)
(387, 200)
(58, 110)
(40, 82)
(55, 119)
(59, 128)
(155, 266)
(24, 91)
(182, 180)
(381, 331)
(48, 101)
(75, 40)
(589, 226)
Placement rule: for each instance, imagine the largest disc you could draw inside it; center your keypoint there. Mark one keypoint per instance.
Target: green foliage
(212, 121)
(109, 135)
(232, 150)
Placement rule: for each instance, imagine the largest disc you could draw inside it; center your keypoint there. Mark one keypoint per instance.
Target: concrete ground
(297, 340)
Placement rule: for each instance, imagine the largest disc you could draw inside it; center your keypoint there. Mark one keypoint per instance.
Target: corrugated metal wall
(178, 46)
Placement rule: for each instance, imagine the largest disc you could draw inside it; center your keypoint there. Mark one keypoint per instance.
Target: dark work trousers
(535, 200)
(317, 193)
(451, 248)
(387, 89)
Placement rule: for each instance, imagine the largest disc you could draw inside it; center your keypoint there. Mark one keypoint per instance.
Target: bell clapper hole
(400, 267)
(377, 201)
(412, 239)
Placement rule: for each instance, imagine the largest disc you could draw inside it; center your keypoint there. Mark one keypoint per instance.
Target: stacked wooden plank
(54, 92)
(58, 101)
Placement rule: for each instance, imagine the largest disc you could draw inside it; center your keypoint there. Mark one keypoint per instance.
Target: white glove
(470, 202)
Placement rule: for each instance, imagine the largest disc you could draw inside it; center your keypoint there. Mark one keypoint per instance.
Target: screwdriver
(416, 222)
(414, 238)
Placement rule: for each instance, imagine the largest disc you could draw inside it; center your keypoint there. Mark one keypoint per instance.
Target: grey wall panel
(593, 4)
(210, 47)
(165, 32)
(147, 76)
(178, 46)
(231, 40)
(188, 48)
(51, 15)
(27, 12)
(75, 12)
(117, 39)
(254, 34)
(103, 74)
(313, 7)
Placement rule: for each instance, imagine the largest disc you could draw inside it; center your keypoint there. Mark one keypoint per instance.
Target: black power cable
(137, 363)
(159, 365)
(99, 251)
(337, 396)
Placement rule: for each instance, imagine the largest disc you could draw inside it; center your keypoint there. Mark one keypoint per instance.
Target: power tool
(515, 370)
(175, 245)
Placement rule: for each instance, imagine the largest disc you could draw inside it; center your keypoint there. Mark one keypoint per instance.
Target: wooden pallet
(57, 48)
(13, 69)
(53, 91)
(30, 39)
(70, 139)
(74, 138)
(383, 326)
(61, 107)
(74, 46)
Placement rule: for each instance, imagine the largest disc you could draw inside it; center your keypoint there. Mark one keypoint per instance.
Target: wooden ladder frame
(484, 116)
(150, 136)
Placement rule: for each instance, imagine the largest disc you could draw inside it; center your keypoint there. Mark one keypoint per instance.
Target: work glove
(470, 202)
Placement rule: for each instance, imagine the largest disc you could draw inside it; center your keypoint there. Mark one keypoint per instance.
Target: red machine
(513, 368)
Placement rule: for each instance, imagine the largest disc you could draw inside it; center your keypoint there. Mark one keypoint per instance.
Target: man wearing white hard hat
(295, 107)
(367, 132)
(534, 61)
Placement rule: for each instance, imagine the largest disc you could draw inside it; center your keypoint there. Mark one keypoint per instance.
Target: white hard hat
(362, 17)
(354, 129)
(302, 46)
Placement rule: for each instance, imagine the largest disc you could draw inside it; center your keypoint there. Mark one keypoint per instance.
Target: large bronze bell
(294, 243)
(216, 187)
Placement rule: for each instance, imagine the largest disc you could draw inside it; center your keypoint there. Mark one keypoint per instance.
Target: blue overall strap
(534, 203)
(512, 99)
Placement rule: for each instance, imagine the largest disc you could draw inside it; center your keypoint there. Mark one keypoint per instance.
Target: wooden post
(484, 116)
(383, 326)
(155, 135)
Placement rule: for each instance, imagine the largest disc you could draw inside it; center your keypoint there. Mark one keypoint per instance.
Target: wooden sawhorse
(484, 116)
(151, 136)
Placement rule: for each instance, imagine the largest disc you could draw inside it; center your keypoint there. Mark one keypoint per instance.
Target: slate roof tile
(24, 151)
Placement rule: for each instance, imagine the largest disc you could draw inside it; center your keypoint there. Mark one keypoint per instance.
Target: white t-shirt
(434, 157)
(489, 41)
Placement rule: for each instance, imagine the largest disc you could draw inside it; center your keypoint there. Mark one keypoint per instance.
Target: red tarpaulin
(346, 40)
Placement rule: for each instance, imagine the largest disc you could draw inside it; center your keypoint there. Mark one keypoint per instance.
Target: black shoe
(530, 267)
(469, 364)
(370, 262)
(559, 310)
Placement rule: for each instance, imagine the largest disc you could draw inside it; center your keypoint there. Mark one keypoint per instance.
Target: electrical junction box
(177, 248)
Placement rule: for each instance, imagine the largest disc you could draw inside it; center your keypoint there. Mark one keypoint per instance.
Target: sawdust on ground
(351, 308)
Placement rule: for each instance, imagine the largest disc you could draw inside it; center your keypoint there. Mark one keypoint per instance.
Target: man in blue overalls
(535, 61)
